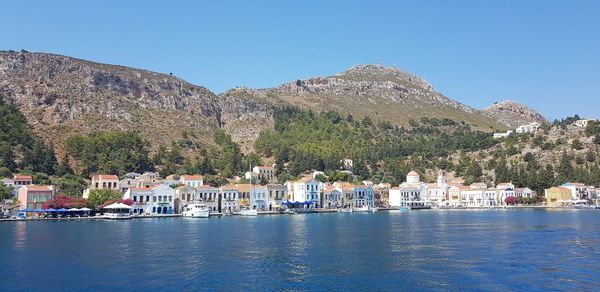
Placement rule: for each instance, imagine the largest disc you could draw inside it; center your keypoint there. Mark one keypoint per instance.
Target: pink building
(34, 197)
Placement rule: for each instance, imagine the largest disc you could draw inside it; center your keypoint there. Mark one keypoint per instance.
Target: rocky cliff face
(61, 95)
(513, 114)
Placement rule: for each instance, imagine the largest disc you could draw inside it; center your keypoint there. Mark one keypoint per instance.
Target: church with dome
(415, 193)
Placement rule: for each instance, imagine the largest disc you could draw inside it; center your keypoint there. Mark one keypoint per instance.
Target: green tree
(99, 196)
(5, 192)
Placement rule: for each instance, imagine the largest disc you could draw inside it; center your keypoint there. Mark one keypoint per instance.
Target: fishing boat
(196, 211)
(248, 212)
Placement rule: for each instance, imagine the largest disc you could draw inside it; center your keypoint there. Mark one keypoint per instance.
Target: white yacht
(196, 211)
(248, 212)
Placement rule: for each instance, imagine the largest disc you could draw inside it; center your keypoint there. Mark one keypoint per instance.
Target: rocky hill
(513, 114)
(61, 95)
(382, 93)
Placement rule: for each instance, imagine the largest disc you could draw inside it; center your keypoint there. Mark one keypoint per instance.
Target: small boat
(346, 210)
(364, 208)
(373, 210)
(248, 212)
(290, 211)
(196, 211)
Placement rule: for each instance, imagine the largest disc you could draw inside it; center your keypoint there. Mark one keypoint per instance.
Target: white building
(502, 135)
(209, 196)
(580, 191)
(583, 123)
(192, 180)
(305, 189)
(530, 128)
(331, 197)
(478, 195)
(503, 191)
(229, 199)
(437, 193)
(102, 181)
(409, 193)
(259, 196)
(156, 200)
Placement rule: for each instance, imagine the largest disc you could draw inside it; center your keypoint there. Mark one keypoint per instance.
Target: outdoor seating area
(55, 213)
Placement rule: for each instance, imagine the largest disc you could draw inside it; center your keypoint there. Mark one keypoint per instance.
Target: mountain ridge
(61, 95)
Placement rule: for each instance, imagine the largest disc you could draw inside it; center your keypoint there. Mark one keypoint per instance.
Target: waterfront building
(33, 196)
(158, 199)
(363, 195)
(478, 195)
(229, 199)
(102, 181)
(409, 193)
(523, 193)
(437, 192)
(277, 193)
(209, 196)
(454, 195)
(306, 189)
(504, 190)
(347, 191)
(382, 194)
(183, 196)
(557, 196)
(259, 198)
(331, 197)
(22, 180)
(580, 191)
(243, 194)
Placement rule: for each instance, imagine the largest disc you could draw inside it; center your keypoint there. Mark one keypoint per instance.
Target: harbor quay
(149, 196)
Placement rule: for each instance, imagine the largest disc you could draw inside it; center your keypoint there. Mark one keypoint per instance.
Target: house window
(135, 198)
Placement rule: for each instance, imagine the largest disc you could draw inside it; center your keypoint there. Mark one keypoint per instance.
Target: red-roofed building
(22, 180)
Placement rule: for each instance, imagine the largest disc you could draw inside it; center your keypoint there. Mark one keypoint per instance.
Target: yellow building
(557, 196)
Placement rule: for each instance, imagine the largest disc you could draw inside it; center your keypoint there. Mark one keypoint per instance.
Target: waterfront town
(148, 194)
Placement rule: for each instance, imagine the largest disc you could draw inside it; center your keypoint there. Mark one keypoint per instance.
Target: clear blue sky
(543, 53)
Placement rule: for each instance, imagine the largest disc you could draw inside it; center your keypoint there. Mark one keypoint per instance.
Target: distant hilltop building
(583, 123)
(347, 164)
(529, 128)
(502, 135)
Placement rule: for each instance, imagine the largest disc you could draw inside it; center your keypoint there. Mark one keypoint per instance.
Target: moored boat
(248, 212)
(196, 211)
(346, 210)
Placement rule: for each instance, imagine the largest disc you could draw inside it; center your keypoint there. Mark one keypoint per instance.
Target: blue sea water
(427, 250)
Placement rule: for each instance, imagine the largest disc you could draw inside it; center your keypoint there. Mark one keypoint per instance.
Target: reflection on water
(418, 250)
